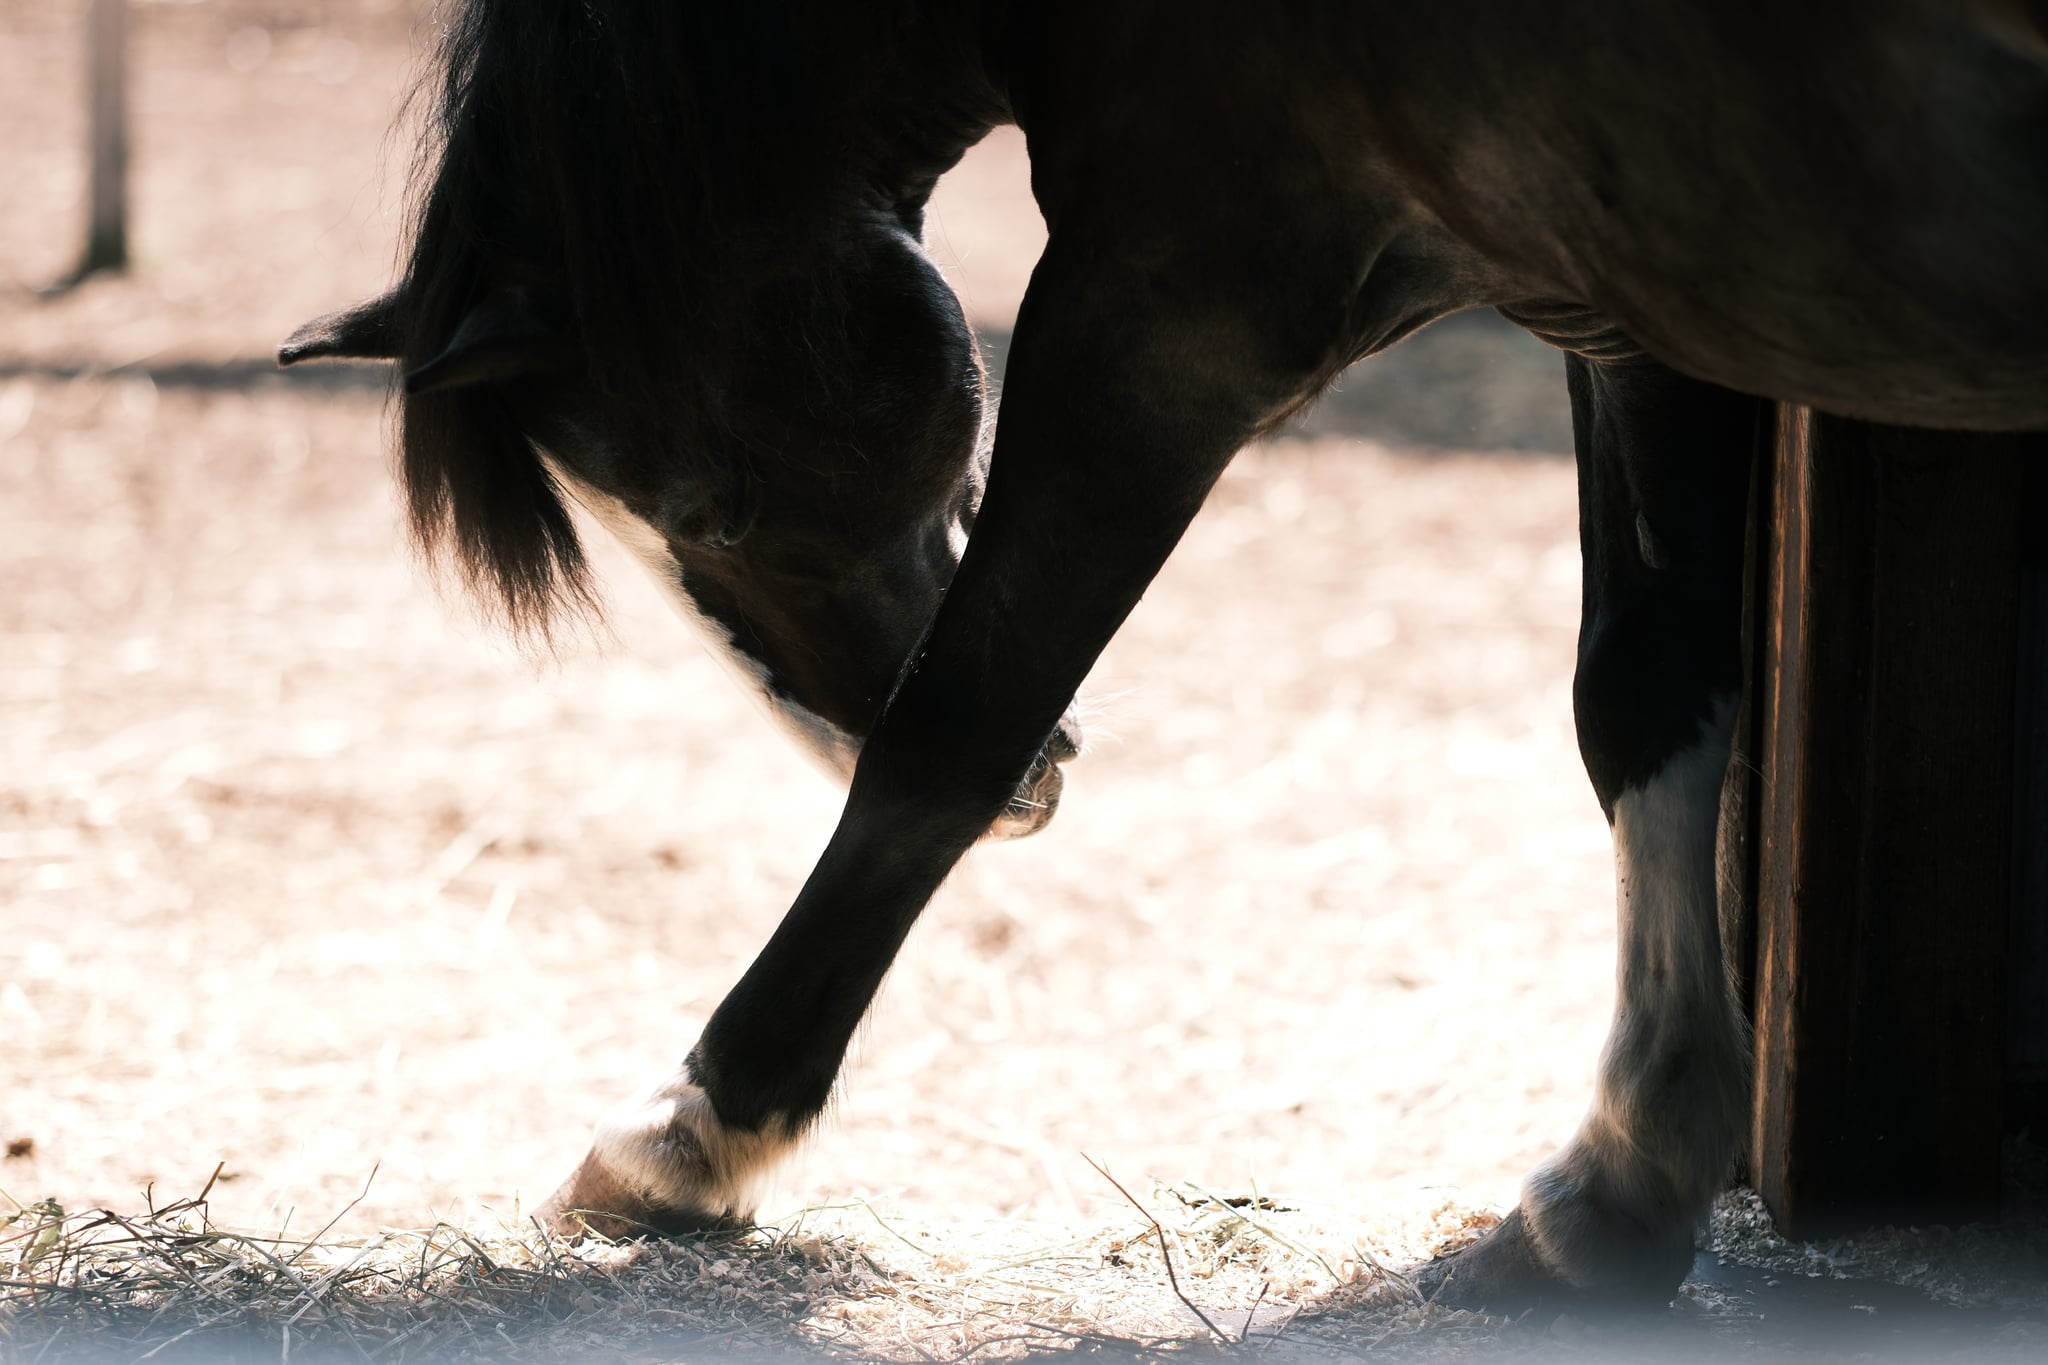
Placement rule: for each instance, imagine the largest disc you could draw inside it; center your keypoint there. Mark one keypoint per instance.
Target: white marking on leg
(1674, 1082)
(670, 1148)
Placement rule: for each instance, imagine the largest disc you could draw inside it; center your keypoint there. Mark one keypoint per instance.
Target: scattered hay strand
(1166, 1255)
(170, 1285)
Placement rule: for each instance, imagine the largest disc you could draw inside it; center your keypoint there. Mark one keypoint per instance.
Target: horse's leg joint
(664, 1161)
(1613, 1212)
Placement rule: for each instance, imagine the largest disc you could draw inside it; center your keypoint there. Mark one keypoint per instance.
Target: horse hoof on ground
(594, 1200)
(664, 1164)
(1500, 1273)
(1505, 1272)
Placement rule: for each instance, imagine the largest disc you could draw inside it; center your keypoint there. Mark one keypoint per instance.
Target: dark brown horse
(666, 261)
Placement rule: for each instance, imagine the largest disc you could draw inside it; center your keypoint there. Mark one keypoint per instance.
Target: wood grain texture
(1743, 788)
(1885, 830)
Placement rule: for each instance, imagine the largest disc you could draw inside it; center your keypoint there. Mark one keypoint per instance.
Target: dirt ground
(304, 872)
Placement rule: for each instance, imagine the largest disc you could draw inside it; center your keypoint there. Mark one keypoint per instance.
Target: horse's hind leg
(1663, 482)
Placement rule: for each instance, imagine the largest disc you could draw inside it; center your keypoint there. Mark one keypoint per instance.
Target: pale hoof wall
(1500, 1273)
(663, 1164)
(593, 1200)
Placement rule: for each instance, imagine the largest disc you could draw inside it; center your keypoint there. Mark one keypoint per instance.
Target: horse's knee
(1663, 495)
(1650, 674)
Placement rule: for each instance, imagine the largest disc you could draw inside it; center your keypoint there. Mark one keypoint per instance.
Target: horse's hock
(1887, 846)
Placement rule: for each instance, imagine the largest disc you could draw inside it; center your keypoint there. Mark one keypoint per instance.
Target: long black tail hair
(568, 153)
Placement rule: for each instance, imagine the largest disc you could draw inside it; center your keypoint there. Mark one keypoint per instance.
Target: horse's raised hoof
(1500, 1273)
(663, 1165)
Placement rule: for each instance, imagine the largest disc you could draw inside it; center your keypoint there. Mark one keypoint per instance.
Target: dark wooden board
(1882, 833)
(2027, 991)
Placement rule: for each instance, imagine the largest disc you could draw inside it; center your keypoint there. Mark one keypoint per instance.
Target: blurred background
(303, 871)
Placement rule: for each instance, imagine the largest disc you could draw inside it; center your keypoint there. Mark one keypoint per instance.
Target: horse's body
(668, 262)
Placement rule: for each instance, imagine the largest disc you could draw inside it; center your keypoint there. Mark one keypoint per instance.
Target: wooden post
(106, 242)
(1742, 792)
(2027, 990)
(1889, 631)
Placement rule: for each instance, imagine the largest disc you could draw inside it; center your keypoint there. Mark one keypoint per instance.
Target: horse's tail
(479, 497)
(571, 155)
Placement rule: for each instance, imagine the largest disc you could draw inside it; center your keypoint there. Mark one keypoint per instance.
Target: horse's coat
(820, 738)
(675, 247)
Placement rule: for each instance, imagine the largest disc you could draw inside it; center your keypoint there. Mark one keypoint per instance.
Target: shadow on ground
(240, 375)
(1470, 382)
(1725, 1311)
(170, 1286)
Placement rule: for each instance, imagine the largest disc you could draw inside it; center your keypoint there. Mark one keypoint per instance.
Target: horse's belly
(1851, 213)
(1919, 297)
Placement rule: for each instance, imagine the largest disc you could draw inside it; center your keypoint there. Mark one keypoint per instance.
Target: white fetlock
(664, 1161)
(1616, 1209)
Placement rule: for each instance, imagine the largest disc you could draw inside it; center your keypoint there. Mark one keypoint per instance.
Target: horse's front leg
(1663, 482)
(1109, 441)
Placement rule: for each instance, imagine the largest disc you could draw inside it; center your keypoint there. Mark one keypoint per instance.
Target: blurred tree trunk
(106, 243)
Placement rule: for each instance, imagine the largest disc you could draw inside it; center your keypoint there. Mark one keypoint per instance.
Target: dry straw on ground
(1183, 1273)
(1198, 1274)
